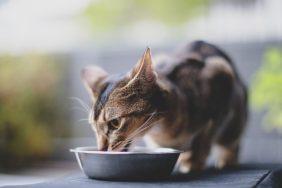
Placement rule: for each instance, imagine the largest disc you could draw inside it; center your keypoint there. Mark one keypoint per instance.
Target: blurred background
(45, 43)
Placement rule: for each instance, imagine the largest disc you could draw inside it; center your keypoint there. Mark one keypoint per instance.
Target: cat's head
(124, 107)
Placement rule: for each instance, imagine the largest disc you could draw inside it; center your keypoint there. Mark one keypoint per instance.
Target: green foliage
(105, 15)
(31, 107)
(267, 89)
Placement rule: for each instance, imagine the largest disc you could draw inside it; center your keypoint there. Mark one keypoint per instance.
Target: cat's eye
(114, 124)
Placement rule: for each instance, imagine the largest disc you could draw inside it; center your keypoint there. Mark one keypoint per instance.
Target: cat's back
(196, 60)
(204, 74)
(193, 58)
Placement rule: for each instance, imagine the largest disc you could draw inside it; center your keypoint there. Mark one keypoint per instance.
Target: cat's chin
(125, 148)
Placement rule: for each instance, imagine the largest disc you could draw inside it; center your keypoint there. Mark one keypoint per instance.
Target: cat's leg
(227, 155)
(195, 158)
(228, 141)
(228, 137)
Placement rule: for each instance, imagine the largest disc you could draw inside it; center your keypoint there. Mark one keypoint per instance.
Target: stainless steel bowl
(141, 163)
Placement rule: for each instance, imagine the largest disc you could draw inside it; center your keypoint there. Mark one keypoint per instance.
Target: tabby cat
(188, 100)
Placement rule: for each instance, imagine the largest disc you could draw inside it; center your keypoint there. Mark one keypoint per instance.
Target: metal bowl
(138, 164)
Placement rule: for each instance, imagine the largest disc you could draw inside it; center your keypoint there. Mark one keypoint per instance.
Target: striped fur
(188, 100)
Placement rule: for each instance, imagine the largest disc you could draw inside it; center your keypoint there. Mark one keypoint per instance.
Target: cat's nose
(102, 143)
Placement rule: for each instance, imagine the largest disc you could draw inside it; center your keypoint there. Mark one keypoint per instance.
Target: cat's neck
(174, 102)
(173, 124)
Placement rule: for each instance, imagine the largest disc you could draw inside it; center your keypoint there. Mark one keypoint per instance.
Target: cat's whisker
(127, 145)
(123, 143)
(81, 109)
(137, 131)
(83, 104)
(129, 139)
(117, 145)
(156, 113)
(82, 120)
(142, 128)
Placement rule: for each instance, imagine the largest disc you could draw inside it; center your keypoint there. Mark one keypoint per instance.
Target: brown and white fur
(188, 100)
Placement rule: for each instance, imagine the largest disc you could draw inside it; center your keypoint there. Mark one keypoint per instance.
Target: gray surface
(211, 178)
(273, 180)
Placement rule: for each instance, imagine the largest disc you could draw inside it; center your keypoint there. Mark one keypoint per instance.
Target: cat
(188, 100)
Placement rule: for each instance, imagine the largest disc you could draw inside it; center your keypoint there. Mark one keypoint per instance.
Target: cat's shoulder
(196, 56)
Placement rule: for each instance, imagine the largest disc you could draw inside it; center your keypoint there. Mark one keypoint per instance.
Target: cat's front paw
(225, 163)
(191, 167)
(227, 157)
(186, 165)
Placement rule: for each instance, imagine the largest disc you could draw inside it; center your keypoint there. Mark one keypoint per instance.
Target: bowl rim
(91, 150)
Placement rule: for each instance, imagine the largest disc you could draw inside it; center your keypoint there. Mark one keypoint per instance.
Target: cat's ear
(92, 77)
(143, 70)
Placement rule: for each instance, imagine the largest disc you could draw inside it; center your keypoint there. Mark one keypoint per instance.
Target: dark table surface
(244, 176)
